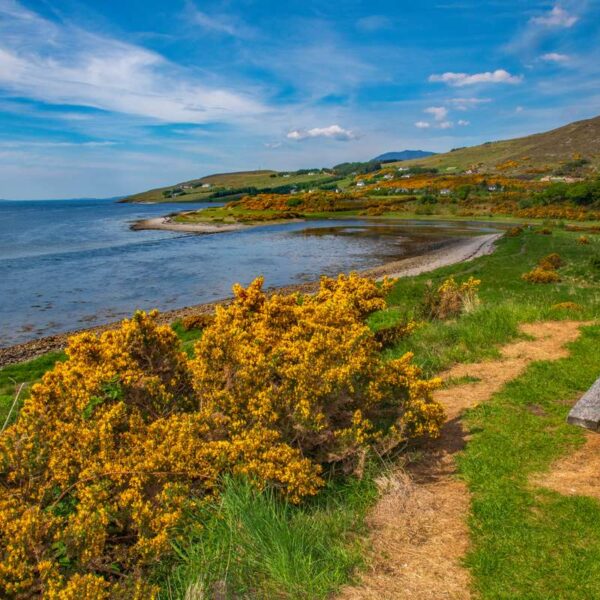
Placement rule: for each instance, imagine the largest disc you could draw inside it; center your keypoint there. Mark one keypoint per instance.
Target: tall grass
(254, 544)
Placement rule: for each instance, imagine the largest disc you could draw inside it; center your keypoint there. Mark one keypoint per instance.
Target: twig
(13, 405)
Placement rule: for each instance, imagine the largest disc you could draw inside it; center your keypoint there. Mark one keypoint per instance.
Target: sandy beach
(167, 224)
(451, 252)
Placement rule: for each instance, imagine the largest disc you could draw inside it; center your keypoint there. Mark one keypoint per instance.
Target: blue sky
(107, 98)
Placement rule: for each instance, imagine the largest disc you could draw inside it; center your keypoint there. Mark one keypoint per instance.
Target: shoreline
(166, 224)
(441, 255)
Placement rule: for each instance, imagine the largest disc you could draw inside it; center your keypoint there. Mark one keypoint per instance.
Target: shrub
(551, 262)
(119, 445)
(451, 299)
(514, 232)
(389, 336)
(197, 321)
(541, 275)
(544, 231)
(583, 240)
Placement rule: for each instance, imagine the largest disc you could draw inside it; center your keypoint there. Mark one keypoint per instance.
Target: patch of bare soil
(419, 532)
(577, 474)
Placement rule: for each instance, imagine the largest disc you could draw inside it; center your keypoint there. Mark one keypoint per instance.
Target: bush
(197, 321)
(544, 231)
(551, 262)
(514, 232)
(390, 336)
(120, 445)
(451, 299)
(541, 275)
(583, 240)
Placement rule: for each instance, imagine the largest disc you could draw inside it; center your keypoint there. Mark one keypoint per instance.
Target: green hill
(205, 188)
(571, 149)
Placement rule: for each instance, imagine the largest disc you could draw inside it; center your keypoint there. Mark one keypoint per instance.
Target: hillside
(572, 148)
(198, 190)
(403, 155)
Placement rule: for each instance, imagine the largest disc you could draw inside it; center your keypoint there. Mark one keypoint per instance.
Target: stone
(586, 413)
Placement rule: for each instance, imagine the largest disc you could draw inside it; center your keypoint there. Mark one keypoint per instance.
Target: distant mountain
(572, 148)
(404, 155)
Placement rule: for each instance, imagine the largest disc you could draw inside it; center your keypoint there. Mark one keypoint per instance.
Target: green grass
(12, 376)
(528, 542)
(506, 300)
(253, 544)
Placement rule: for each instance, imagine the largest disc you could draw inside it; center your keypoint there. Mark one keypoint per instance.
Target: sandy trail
(419, 526)
(576, 474)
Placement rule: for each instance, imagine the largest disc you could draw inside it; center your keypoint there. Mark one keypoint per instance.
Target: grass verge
(529, 542)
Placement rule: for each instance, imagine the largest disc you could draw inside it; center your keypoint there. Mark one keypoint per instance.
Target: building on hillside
(360, 184)
(388, 176)
(445, 192)
(206, 185)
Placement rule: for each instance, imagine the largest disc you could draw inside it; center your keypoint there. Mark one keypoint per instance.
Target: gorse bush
(552, 261)
(197, 321)
(451, 299)
(117, 447)
(541, 275)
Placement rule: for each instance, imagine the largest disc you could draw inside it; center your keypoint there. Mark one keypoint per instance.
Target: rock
(586, 413)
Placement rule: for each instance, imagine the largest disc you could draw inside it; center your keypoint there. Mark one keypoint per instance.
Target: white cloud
(446, 125)
(467, 103)
(557, 17)
(463, 123)
(333, 132)
(217, 23)
(462, 79)
(439, 113)
(555, 57)
(63, 64)
(422, 125)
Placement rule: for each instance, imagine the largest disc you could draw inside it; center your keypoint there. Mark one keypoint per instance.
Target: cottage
(360, 184)
(492, 188)
(445, 192)
(388, 176)
(206, 185)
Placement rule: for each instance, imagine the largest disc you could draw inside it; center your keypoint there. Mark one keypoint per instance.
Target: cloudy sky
(113, 97)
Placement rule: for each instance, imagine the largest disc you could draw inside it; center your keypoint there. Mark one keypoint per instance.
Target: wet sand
(439, 255)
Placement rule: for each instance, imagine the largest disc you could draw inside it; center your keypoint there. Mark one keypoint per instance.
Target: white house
(445, 192)
(360, 184)
(206, 185)
(388, 176)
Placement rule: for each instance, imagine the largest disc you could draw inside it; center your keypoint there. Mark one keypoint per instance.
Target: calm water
(71, 264)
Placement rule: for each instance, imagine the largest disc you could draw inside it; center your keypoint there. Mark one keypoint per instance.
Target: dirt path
(419, 529)
(577, 474)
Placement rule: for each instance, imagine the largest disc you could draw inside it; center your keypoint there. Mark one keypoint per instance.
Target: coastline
(166, 223)
(441, 255)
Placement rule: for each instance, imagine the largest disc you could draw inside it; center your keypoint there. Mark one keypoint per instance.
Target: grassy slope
(258, 179)
(542, 150)
(527, 543)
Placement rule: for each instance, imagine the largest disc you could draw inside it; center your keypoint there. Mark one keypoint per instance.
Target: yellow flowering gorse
(117, 446)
